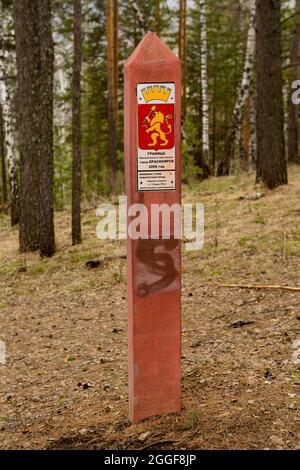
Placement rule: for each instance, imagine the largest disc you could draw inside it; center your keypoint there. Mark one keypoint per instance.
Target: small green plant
(295, 235)
(216, 273)
(10, 267)
(259, 219)
(39, 268)
(189, 421)
(118, 277)
(63, 400)
(71, 359)
(245, 239)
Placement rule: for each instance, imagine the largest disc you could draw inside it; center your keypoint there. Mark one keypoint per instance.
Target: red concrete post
(153, 176)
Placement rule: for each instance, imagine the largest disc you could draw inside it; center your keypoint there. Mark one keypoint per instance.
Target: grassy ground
(65, 381)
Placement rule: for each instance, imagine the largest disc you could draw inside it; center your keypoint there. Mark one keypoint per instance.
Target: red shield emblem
(156, 126)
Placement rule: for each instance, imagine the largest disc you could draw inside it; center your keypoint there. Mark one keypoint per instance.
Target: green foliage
(227, 27)
(245, 239)
(189, 421)
(226, 36)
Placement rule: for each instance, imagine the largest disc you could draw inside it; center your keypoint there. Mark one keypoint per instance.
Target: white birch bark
(61, 116)
(248, 68)
(204, 82)
(6, 66)
(243, 92)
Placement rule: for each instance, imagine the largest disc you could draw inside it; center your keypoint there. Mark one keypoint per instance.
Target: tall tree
(182, 53)
(34, 48)
(94, 103)
(204, 82)
(292, 128)
(111, 89)
(271, 167)
(76, 126)
(2, 158)
(7, 68)
(243, 94)
(116, 60)
(47, 240)
(3, 184)
(28, 65)
(62, 14)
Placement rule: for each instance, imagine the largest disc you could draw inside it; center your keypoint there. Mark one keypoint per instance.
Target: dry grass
(65, 381)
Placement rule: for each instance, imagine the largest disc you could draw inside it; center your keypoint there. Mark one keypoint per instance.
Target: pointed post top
(151, 49)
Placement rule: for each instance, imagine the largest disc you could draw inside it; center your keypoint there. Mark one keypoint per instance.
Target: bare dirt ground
(65, 381)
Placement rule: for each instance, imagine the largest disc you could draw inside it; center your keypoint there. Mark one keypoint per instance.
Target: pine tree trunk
(62, 123)
(180, 32)
(271, 166)
(116, 59)
(243, 94)
(182, 54)
(285, 95)
(200, 162)
(111, 98)
(293, 142)
(34, 49)
(184, 59)
(204, 83)
(2, 157)
(28, 61)
(76, 126)
(47, 240)
(292, 128)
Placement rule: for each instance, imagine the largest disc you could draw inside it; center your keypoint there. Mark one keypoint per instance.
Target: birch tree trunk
(5, 68)
(243, 93)
(76, 126)
(111, 89)
(10, 155)
(204, 82)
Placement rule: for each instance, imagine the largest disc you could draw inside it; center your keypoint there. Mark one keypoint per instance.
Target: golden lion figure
(156, 119)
